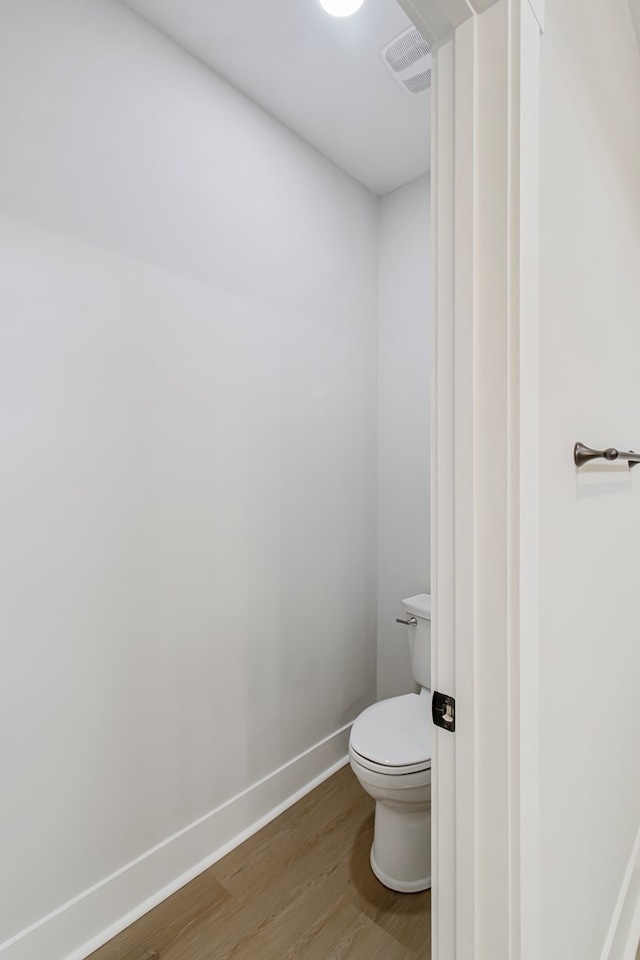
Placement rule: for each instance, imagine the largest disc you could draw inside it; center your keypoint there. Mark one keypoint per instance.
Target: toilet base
(411, 886)
(401, 851)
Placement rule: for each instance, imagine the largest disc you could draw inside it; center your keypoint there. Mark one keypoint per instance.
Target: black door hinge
(443, 711)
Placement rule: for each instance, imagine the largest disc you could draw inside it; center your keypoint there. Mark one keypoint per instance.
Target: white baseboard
(83, 924)
(624, 933)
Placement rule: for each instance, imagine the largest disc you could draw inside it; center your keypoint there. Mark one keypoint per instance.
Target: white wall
(187, 434)
(590, 521)
(404, 290)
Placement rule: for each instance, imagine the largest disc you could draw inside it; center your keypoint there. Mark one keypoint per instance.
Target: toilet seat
(393, 736)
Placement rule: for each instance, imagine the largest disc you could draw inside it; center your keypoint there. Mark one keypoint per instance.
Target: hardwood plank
(278, 901)
(300, 888)
(154, 934)
(336, 806)
(349, 936)
(278, 933)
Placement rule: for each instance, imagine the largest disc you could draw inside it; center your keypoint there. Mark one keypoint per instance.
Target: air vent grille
(406, 50)
(421, 81)
(408, 59)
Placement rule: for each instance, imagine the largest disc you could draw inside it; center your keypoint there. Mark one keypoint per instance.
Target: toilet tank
(420, 637)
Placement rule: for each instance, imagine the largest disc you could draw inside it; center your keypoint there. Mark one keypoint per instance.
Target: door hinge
(443, 711)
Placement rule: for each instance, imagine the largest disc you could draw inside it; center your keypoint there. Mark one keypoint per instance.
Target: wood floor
(300, 888)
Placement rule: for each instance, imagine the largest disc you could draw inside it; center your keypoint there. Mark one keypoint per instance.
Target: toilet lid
(395, 732)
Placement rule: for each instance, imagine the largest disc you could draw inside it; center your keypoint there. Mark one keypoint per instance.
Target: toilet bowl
(390, 754)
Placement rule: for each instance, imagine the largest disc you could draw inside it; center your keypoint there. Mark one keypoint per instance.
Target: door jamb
(485, 122)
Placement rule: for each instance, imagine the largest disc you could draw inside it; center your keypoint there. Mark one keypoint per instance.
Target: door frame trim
(437, 19)
(485, 209)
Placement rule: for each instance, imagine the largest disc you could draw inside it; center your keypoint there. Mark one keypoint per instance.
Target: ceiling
(321, 76)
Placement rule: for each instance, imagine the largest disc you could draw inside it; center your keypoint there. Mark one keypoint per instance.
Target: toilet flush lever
(411, 622)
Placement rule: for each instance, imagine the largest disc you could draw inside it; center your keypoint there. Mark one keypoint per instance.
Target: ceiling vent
(408, 60)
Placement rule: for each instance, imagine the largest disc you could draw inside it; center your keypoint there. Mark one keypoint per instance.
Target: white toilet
(390, 753)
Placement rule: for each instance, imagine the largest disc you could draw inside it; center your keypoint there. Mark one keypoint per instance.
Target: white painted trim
(438, 19)
(428, 18)
(454, 156)
(485, 212)
(634, 7)
(96, 915)
(443, 795)
(524, 676)
(465, 466)
(538, 9)
(492, 495)
(623, 936)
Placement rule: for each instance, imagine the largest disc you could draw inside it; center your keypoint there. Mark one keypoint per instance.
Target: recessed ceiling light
(341, 8)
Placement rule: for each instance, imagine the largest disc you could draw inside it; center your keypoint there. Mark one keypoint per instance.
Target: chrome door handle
(411, 622)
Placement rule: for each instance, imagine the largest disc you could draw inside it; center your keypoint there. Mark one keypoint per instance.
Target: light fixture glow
(341, 8)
